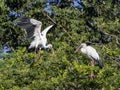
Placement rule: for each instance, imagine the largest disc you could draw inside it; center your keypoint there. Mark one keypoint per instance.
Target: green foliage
(64, 69)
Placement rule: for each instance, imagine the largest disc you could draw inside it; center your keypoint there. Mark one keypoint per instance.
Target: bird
(32, 28)
(92, 54)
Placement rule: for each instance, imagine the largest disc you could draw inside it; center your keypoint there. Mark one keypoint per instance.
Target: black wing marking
(99, 61)
(25, 23)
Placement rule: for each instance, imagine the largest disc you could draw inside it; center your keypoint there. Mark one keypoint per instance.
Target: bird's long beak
(52, 50)
(77, 49)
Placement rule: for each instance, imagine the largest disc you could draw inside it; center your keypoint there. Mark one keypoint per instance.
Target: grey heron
(92, 54)
(33, 29)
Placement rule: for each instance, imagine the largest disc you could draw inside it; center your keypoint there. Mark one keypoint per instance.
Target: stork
(32, 28)
(92, 54)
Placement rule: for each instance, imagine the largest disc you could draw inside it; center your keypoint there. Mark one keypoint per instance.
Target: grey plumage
(25, 23)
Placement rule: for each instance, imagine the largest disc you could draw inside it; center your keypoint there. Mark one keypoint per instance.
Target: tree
(97, 24)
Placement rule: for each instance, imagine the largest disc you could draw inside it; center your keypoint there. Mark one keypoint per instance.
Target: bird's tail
(100, 63)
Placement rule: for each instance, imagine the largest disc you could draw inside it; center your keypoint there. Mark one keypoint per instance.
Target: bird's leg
(92, 73)
(92, 63)
(39, 49)
(39, 53)
(37, 57)
(35, 50)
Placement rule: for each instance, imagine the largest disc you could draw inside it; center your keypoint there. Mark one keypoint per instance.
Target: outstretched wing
(32, 27)
(44, 32)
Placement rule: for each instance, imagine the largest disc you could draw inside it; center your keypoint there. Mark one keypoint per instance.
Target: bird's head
(80, 46)
(83, 45)
(51, 47)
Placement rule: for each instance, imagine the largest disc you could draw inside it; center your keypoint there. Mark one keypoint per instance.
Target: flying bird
(92, 54)
(33, 30)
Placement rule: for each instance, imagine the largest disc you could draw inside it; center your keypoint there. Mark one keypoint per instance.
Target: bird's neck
(47, 46)
(83, 50)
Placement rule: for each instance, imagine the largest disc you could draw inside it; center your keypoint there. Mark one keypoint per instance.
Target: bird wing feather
(91, 52)
(32, 27)
(44, 32)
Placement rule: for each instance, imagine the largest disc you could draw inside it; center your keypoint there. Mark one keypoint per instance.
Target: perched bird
(33, 30)
(92, 54)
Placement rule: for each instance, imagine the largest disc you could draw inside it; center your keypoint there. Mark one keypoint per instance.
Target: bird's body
(91, 53)
(35, 42)
(33, 29)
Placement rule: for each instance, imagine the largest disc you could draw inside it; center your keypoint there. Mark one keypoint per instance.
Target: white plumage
(33, 29)
(91, 53)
